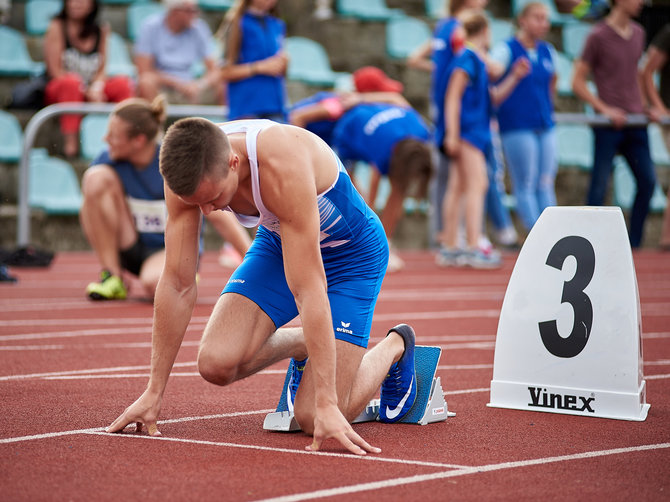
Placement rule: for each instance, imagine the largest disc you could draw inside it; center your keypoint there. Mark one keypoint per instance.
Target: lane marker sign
(569, 334)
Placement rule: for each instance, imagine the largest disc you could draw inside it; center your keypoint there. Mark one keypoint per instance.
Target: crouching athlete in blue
(320, 252)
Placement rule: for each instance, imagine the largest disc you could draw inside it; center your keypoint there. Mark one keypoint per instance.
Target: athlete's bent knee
(215, 369)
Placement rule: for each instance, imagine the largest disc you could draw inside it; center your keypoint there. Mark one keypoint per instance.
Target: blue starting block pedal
(428, 407)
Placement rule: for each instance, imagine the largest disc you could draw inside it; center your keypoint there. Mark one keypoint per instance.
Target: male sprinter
(319, 252)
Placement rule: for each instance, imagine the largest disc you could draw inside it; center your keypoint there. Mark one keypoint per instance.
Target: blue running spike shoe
(294, 381)
(398, 390)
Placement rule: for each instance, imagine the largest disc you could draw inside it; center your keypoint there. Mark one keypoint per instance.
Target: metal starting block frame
(429, 406)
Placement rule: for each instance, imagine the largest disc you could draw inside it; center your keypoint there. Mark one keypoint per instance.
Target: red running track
(69, 366)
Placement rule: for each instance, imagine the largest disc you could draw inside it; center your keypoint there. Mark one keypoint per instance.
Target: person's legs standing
(522, 152)
(548, 165)
(495, 207)
(635, 148)
(606, 143)
(665, 230)
(437, 191)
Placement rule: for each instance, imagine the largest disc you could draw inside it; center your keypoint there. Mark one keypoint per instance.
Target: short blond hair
(193, 148)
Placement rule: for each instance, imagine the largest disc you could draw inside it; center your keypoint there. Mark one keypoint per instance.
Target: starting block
(569, 334)
(428, 407)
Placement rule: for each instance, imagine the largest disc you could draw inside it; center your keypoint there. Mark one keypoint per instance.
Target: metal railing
(37, 120)
(23, 216)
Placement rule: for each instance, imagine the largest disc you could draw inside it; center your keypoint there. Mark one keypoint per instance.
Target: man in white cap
(167, 47)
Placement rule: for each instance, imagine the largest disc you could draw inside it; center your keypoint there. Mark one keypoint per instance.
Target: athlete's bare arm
(173, 306)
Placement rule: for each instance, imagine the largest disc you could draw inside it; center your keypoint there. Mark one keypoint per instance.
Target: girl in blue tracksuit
(525, 118)
(255, 62)
(464, 136)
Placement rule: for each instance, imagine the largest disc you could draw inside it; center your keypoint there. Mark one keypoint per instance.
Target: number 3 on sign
(573, 293)
(569, 326)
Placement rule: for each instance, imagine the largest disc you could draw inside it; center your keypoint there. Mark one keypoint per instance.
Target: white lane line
(465, 391)
(89, 332)
(421, 478)
(92, 370)
(102, 429)
(372, 458)
(83, 321)
(95, 372)
(656, 377)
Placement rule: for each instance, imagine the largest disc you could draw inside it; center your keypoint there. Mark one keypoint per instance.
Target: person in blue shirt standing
(395, 141)
(465, 135)
(255, 62)
(123, 212)
(437, 56)
(525, 118)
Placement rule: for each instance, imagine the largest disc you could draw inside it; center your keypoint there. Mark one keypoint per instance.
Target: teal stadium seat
(92, 131)
(121, 2)
(309, 63)
(555, 17)
(575, 145)
(404, 35)
(501, 30)
(118, 57)
(659, 152)
(215, 5)
(12, 138)
(137, 13)
(625, 186)
(564, 70)
(573, 36)
(38, 14)
(436, 9)
(369, 10)
(15, 61)
(53, 187)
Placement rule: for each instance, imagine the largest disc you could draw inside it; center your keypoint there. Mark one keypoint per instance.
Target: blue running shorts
(354, 273)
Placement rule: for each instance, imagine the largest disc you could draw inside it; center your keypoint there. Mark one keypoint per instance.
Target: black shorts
(133, 257)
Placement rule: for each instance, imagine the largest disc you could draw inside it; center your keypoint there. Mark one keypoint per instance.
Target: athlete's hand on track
(330, 423)
(143, 411)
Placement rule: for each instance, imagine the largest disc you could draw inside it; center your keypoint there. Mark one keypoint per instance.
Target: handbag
(29, 94)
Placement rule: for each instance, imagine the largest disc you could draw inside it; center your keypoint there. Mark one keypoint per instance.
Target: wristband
(334, 107)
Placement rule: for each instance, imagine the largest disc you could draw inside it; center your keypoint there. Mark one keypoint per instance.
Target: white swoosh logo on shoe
(392, 413)
(289, 402)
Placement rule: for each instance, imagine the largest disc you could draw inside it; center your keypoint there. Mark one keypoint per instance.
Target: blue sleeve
(102, 158)
(468, 63)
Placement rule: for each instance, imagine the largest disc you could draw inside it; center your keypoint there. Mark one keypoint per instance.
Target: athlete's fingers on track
(363, 443)
(346, 442)
(153, 429)
(119, 424)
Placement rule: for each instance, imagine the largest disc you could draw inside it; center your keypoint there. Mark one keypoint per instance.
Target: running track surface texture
(69, 366)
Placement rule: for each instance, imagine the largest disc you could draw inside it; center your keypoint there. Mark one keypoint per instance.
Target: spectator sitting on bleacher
(255, 62)
(167, 48)
(74, 52)
(123, 214)
(611, 53)
(525, 118)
